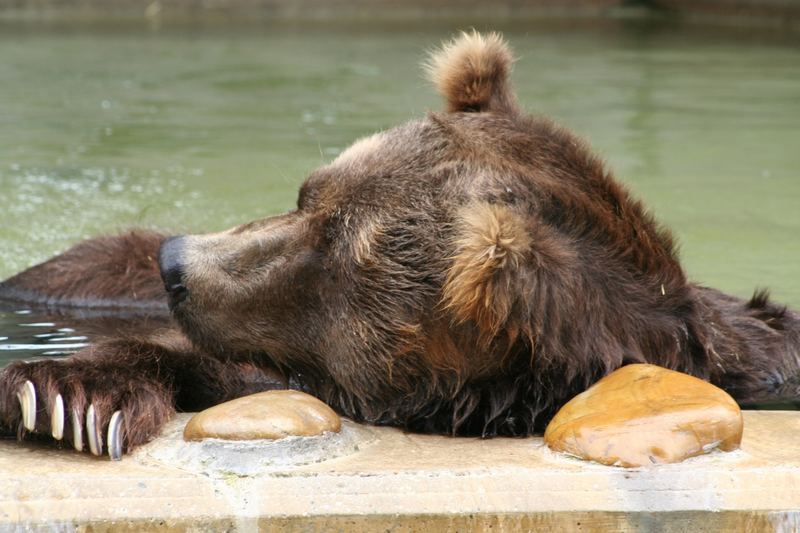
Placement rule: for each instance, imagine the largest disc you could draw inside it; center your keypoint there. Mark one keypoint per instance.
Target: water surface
(199, 127)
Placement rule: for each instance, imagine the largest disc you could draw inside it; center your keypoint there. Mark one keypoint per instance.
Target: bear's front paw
(96, 408)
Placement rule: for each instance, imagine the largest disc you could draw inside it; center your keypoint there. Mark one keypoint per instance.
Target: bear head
(443, 253)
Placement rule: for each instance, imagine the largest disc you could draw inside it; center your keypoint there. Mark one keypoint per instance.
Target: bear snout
(170, 262)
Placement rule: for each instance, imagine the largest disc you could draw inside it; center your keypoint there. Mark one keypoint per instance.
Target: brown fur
(490, 245)
(465, 273)
(471, 72)
(113, 272)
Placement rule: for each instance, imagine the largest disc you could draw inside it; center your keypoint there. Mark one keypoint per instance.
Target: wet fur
(464, 274)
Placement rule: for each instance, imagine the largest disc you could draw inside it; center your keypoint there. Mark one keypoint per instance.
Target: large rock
(266, 415)
(644, 414)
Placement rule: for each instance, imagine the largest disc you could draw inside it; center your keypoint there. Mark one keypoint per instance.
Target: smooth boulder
(266, 415)
(644, 414)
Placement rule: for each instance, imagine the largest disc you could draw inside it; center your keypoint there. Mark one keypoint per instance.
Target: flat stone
(644, 414)
(214, 457)
(266, 415)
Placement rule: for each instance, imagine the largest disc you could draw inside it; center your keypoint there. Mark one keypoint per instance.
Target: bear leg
(104, 272)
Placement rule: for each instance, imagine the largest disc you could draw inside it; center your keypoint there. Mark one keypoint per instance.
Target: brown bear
(466, 273)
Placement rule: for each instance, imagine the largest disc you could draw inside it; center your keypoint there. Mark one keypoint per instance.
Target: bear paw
(77, 402)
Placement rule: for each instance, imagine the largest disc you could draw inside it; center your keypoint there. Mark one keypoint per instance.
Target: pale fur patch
(203, 256)
(360, 149)
(365, 238)
(491, 243)
(471, 72)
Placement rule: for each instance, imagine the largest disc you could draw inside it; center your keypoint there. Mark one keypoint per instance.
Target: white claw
(93, 432)
(27, 403)
(77, 430)
(114, 437)
(57, 418)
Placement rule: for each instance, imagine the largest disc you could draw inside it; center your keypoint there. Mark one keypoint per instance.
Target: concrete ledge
(406, 482)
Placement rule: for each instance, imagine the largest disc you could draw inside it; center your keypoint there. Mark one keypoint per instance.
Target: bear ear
(472, 71)
(482, 284)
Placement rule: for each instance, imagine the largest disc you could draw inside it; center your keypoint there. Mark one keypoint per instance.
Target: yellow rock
(266, 415)
(644, 414)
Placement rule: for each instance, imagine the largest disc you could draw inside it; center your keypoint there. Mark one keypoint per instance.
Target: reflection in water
(23, 338)
(35, 333)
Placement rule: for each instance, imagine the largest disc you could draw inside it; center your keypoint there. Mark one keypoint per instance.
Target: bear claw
(77, 430)
(27, 403)
(114, 437)
(86, 425)
(57, 418)
(93, 432)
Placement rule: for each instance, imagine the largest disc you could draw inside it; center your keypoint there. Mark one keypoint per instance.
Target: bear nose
(171, 265)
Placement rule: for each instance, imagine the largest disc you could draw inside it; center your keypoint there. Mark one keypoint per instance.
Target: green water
(200, 127)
